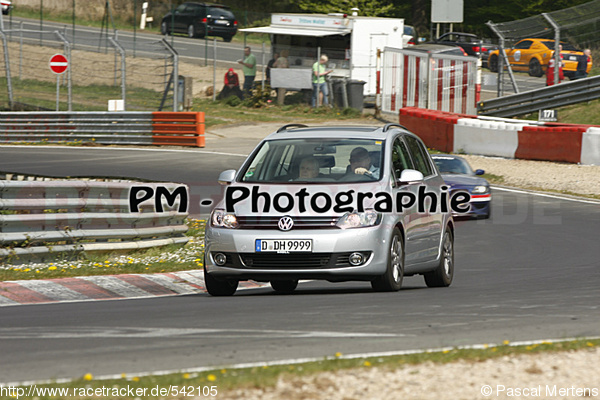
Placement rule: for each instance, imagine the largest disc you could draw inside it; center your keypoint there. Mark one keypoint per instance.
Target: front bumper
(328, 259)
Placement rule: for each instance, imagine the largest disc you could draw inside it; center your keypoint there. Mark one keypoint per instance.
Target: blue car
(458, 174)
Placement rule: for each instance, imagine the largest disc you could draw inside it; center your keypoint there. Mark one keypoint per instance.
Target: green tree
(371, 8)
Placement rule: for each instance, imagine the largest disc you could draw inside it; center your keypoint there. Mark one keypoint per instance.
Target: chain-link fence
(100, 69)
(578, 25)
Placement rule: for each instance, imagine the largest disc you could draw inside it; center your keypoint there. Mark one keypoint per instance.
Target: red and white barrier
(504, 137)
(438, 82)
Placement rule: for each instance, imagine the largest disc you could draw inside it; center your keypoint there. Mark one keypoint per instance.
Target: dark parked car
(199, 20)
(457, 173)
(471, 44)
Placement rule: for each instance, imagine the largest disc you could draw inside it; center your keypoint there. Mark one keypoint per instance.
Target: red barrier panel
(435, 128)
(178, 128)
(551, 143)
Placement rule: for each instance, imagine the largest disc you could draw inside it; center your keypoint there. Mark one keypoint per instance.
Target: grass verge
(156, 260)
(264, 376)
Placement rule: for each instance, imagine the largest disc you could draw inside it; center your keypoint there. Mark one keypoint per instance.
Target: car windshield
(316, 160)
(452, 166)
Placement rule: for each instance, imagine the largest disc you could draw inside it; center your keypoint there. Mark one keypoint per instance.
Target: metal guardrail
(126, 127)
(559, 95)
(40, 220)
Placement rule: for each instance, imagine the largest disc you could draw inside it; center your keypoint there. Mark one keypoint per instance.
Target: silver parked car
(331, 203)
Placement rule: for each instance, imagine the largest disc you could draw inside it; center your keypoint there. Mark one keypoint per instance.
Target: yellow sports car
(532, 55)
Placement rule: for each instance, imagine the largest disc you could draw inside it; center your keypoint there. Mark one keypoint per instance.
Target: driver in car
(360, 163)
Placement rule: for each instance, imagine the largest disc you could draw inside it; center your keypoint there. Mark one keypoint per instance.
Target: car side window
(420, 156)
(525, 44)
(400, 158)
(195, 9)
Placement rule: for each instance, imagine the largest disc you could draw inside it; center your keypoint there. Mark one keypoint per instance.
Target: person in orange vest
(550, 70)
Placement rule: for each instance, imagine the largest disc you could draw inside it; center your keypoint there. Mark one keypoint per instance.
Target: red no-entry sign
(58, 63)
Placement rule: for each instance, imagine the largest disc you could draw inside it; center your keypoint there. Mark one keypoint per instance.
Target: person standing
(582, 64)
(270, 65)
(249, 69)
(550, 70)
(318, 81)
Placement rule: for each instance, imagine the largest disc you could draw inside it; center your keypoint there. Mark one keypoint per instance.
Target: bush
(233, 101)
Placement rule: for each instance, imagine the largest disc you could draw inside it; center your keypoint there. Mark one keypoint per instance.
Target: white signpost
(58, 65)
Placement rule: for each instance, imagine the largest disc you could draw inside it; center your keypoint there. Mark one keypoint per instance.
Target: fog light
(356, 259)
(220, 259)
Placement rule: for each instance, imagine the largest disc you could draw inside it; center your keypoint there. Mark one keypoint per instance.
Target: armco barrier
(136, 128)
(510, 138)
(43, 218)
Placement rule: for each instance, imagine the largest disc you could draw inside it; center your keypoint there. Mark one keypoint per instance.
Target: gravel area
(565, 375)
(581, 179)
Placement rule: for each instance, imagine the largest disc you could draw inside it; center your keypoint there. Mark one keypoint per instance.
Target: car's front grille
(290, 260)
(299, 222)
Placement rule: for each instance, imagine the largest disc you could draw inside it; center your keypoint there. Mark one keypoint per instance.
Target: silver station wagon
(332, 203)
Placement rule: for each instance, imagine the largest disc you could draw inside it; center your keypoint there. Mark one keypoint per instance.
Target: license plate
(283, 246)
(573, 58)
(221, 22)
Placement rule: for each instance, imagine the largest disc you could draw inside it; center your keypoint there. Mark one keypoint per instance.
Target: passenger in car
(309, 168)
(360, 163)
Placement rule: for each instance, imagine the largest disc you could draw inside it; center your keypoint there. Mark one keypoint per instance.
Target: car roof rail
(388, 126)
(285, 127)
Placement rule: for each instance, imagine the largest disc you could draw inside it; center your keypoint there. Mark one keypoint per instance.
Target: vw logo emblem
(285, 223)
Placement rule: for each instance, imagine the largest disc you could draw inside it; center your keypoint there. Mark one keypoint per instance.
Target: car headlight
(481, 190)
(359, 220)
(221, 219)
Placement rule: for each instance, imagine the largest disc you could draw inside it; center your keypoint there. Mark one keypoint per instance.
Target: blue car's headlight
(359, 220)
(480, 189)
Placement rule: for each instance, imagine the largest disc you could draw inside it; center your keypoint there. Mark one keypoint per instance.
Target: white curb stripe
(52, 290)
(117, 286)
(165, 281)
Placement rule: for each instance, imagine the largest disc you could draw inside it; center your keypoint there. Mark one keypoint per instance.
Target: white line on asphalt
(298, 361)
(552, 196)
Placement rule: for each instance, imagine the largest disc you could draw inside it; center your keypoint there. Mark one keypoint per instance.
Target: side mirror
(479, 172)
(410, 176)
(226, 177)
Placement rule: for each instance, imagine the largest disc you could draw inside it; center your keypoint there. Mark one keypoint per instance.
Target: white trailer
(351, 43)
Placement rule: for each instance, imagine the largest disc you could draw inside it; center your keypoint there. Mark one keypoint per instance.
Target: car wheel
(535, 69)
(391, 280)
(493, 63)
(164, 29)
(219, 287)
(227, 38)
(443, 274)
(284, 286)
(191, 31)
